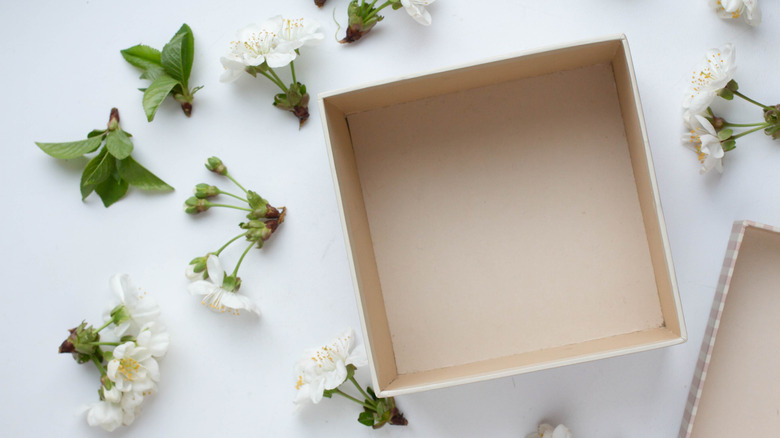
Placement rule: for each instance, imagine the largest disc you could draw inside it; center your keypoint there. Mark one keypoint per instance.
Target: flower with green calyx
(364, 15)
(169, 70)
(710, 135)
(323, 370)
(128, 373)
(112, 170)
(220, 291)
(196, 270)
(258, 50)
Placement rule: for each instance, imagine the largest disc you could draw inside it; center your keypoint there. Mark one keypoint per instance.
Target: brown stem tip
(187, 108)
(302, 113)
(319, 3)
(353, 34)
(397, 418)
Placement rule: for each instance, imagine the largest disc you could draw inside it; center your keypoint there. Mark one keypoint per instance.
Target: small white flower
(325, 368)
(547, 431)
(295, 33)
(154, 337)
(738, 8)
(140, 308)
(416, 8)
(712, 75)
(107, 413)
(703, 139)
(133, 369)
(215, 297)
(256, 45)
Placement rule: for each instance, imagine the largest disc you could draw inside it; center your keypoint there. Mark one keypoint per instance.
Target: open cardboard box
(736, 386)
(502, 217)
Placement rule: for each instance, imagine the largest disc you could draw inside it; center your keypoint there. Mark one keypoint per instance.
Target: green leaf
(111, 190)
(156, 93)
(119, 144)
(138, 176)
(371, 393)
(152, 73)
(95, 133)
(725, 133)
(366, 418)
(97, 170)
(143, 57)
(71, 149)
(177, 55)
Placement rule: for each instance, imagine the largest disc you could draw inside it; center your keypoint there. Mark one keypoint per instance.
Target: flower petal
(216, 272)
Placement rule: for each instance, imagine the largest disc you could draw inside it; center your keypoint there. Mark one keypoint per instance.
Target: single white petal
(561, 432)
(216, 272)
(317, 388)
(233, 300)
(201, 287)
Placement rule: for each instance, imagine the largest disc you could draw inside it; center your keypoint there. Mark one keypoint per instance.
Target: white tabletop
(223, 374)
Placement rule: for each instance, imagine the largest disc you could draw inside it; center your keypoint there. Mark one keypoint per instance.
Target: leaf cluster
(112, 170)
(169, 70)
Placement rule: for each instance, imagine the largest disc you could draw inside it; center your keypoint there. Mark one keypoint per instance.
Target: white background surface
(62, 72)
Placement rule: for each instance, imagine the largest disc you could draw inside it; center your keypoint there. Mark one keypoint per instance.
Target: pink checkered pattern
(735, 242)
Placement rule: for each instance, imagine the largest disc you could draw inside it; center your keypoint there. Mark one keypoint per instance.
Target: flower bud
(204, 191)
(215, 165)
(196, 270)
(113, 121)
(119, 314)
(194, 205)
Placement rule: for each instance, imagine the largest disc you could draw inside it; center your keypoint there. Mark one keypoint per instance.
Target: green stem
(278, 79)
(368, 397)
(279, 84)
(757, 128)
(292, 70)
(742, 125)
(375, 11)
(235, 196)
(228, 206)
(737, 93)
(235, 271)
(229, 242)
(365, 405)
(105, 325)
(112, 344)
(235, 182)
(99, 365)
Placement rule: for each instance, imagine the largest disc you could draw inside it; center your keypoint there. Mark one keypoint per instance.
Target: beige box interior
(502, 217)
(741, 394)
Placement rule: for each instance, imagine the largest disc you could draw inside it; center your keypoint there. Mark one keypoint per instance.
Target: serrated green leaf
(71, 149)
(143, 57)
(725, 133)
(95, 133)
(111, 190)
(366, 418)
(156, 93)
(97, 170)
(119, 144)
(138, 176)
(178, 54)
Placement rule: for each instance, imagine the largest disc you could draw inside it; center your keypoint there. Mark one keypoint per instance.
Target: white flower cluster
(325, 368)
(275, 43)
(731, 9)
(132, 371)
(711, 76)
(547, 431)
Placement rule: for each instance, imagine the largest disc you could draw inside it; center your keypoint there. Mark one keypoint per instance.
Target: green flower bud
(204, 191)
(215, 165)
(194, 205)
